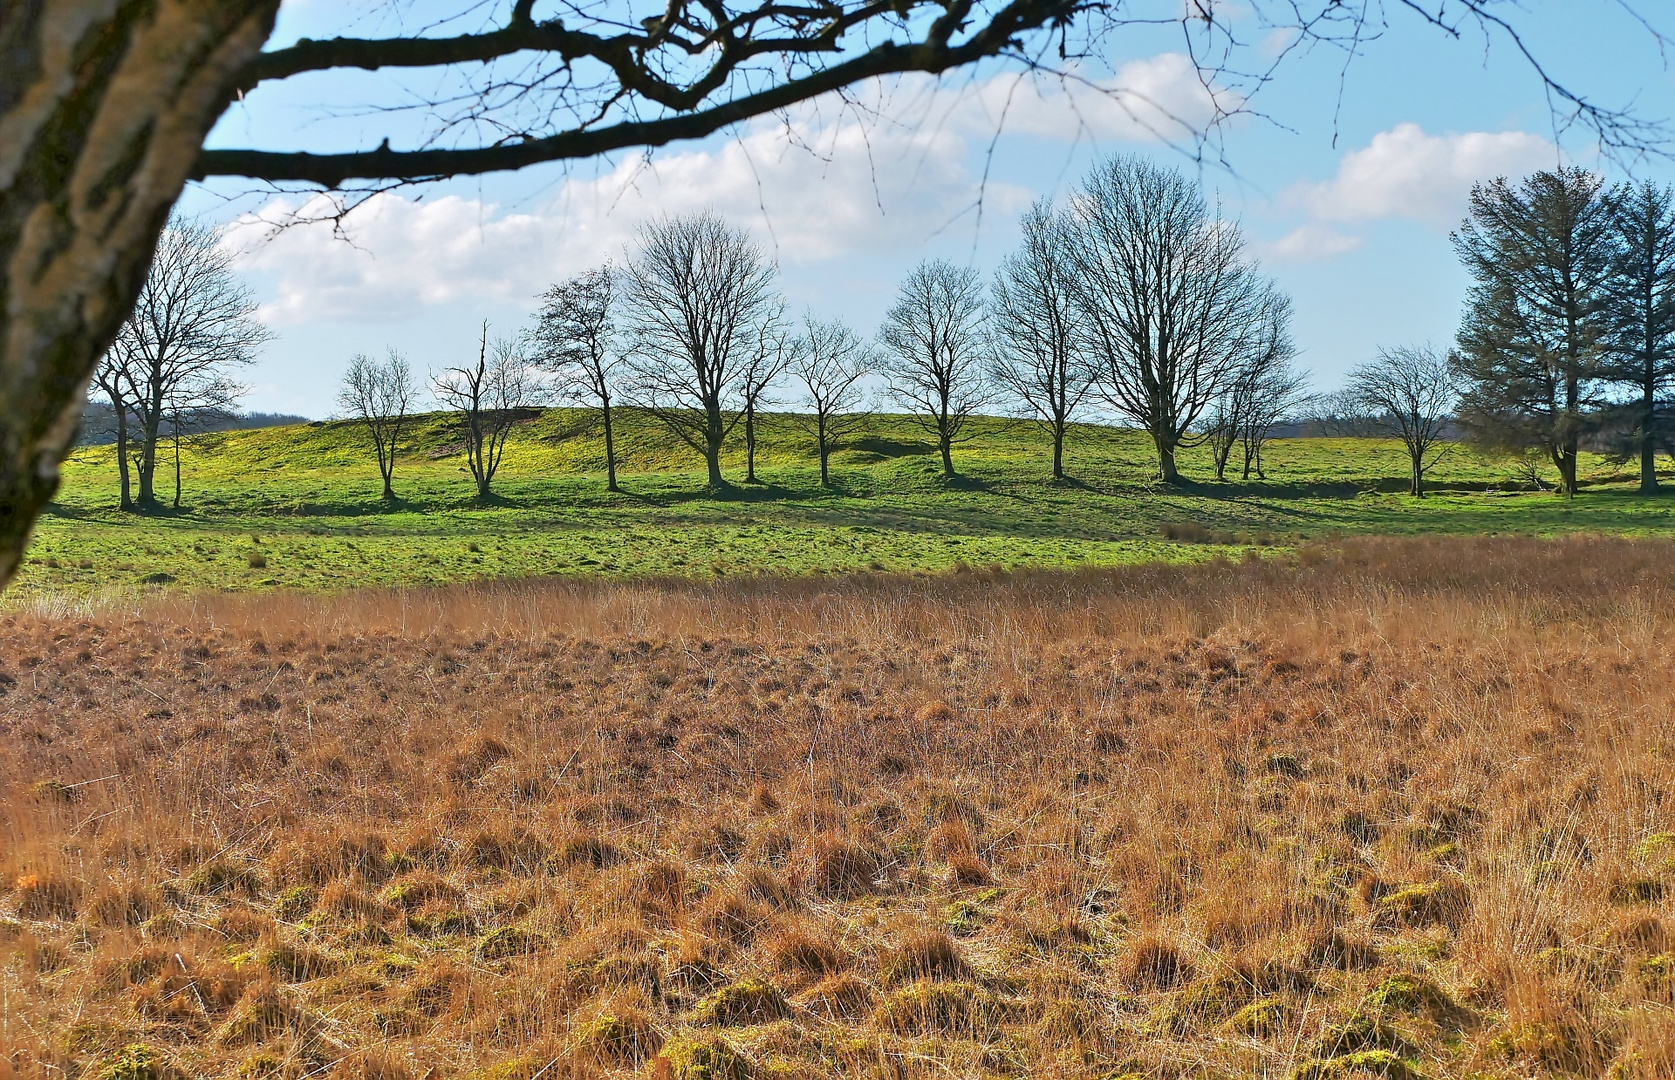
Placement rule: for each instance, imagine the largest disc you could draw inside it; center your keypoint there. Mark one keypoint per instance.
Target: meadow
(298, 508)
(1379, 807)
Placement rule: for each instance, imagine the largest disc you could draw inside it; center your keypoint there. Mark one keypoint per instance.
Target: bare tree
(1259, 397)
(694, 296)
(490, 398)
(197, 404)
(830, 362)
(934, 352)
(1037, 330)
(111, 377)
(101, 137)
(1173, 311)
(193, 319)
(770, 354)
(575, 340)
(1282, 392)
(1410, 392)
(379, 396)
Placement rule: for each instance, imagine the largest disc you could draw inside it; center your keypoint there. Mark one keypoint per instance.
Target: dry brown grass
(1403, 807)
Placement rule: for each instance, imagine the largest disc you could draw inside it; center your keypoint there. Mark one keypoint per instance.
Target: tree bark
(945, 444)
(127, 500)
(1058, 452)
(1166, 471)
(610, 447)
(1416, 477)
(714, 431)
(750, 443)
(150, 432)
(104, 105)
(1648, 440)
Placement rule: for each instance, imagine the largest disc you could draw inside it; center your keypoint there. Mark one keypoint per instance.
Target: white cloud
(1308, 243)
(1159, 99)
(883, 171)
(1405, 173)
(844, 190)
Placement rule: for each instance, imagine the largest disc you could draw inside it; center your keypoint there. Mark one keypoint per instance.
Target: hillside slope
(298, 506)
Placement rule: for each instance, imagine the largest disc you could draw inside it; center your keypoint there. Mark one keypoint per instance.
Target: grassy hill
(298, 507)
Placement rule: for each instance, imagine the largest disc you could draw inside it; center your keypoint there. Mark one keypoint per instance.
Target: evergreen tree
(1538, 316)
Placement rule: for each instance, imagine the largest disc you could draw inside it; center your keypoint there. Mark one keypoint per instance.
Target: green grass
(306, 500)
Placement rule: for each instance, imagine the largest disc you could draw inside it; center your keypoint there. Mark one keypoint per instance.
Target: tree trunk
(713, 434)
(105, 106)
(1416, 476)
(1648, 443)
(750, 442)
(946, 445)
(825, 454)
(177, 465)
(127, 500)
(1567, 469)
(610, 447)
(1058, 453)
(150, 432)
(483, 491)
(1166, 471)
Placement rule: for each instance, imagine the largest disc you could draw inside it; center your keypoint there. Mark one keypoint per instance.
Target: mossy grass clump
(844, 996)
(692, 1056)
(295, 902)
(224, 877)
(1363, 1031)
(623, 1035)
(1636, 891)
(748, 1001)
(138, 1061)
(939, 1008)
(1414, 995)
(1426, 903)
(289, 961)
(1361, 1063)
(1262, 1018)
(509, 941)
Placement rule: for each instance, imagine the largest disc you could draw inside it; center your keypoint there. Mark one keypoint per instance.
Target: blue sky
(1346, 199)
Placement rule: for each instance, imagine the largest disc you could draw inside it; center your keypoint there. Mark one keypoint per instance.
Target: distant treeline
(98, 422)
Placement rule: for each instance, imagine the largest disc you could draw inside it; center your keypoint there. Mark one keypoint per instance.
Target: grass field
(297, 508)
(1398, 808)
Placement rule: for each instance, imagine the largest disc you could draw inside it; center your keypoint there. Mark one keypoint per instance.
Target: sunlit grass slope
(298, 507)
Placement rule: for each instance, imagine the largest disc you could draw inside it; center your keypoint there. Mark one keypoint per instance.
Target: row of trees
(1133, 297)
(169, 370)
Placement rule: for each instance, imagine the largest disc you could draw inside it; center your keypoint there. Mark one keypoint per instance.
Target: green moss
(703, 1057)
(510, 941)
(1413, 995)
(295, 902)
(1263, 1018)
(289, 961)
(224, 877)
(1637, 891)
(1424, 904)
(138, 1061)
(1380, 1063)
(1363, 1031)
(260, 1066)
(1655, 846)
(620, 1039)
(946, 1008)
(748, 1001)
